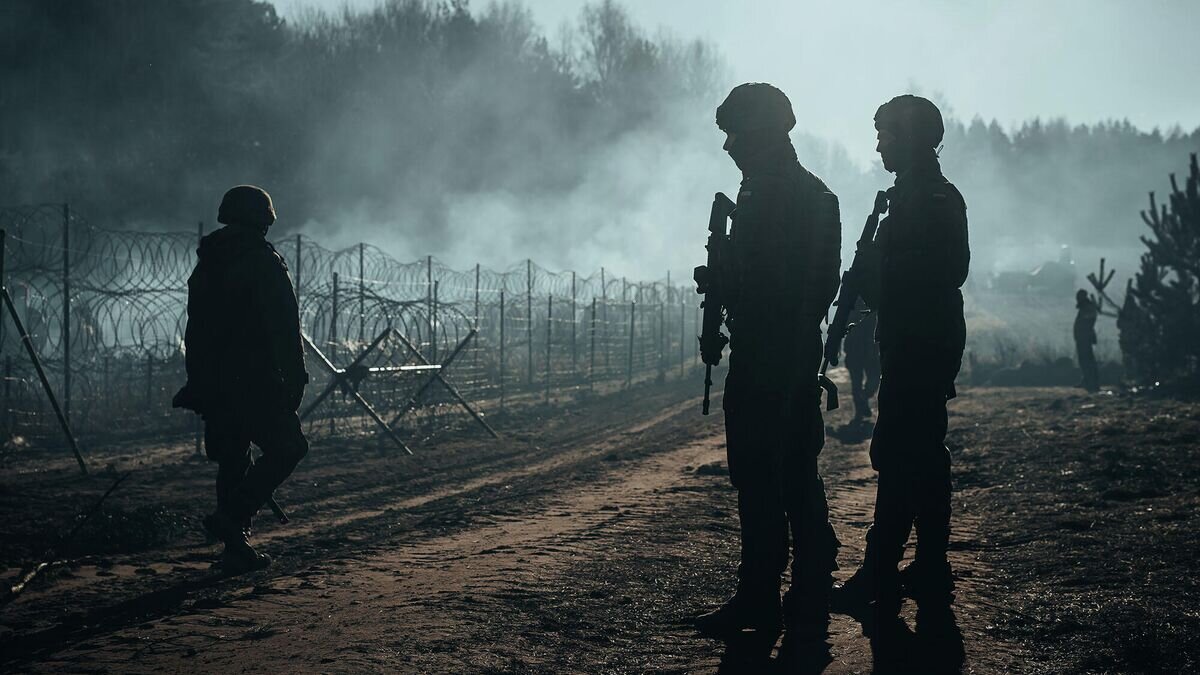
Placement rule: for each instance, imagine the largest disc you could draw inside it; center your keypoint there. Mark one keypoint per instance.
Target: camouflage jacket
(921, 264)
(243, 344)
(785, 242)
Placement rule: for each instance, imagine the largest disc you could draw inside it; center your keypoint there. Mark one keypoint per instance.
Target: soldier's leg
(1091, 371)
(756, 603)
(862, 407)
(755, 471)
(932, 464)
(878, 578)
(283, 445)
(229, 446)
(814, 544)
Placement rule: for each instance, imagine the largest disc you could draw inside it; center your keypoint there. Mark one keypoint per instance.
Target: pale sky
(1012, 60)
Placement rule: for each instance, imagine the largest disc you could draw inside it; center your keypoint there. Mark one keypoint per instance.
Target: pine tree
(1161, 314)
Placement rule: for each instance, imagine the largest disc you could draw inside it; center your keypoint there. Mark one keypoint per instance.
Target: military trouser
(864, 379)
(1087, 365)
(772, 444)
(243, 489)
(909, 452)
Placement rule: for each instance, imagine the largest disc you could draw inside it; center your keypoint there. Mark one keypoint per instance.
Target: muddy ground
(585, 539)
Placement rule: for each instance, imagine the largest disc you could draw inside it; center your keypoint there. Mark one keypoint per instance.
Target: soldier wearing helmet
(245, 367)
(911, 278)
(785, 243)
(1087, 311)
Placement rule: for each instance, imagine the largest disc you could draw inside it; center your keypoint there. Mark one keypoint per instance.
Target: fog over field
(581, 135)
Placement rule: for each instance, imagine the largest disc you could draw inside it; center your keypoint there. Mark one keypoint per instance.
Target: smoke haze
(581, 135)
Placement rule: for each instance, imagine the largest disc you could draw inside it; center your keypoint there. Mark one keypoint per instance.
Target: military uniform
(862, 361)
(912, 277)
(245, 364)
(784, 244)
(1085, 340)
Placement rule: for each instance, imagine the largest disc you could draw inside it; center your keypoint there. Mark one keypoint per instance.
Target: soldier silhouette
(862, 360)
(1086, 313)
(911, 277)
(785, 241)
(245, 367)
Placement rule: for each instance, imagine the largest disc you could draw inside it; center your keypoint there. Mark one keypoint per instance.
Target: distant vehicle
(1049, 278)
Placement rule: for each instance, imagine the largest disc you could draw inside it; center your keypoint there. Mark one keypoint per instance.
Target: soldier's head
(909, 129)
(755, 117)
(1082, 298)
(247, 206)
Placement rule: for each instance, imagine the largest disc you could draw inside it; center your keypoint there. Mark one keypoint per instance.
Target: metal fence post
(362, 294)
(574, 346)
(199, 421)
(529, 314)
(502, 350)
(333, 320)
(429, 303)
(8, 429)
(629, 363)
(66, 327)
(433, 343)
(592, 356)
(604, 321)
(549, 339)
(475, 345)
(682, 333)
(299, 260)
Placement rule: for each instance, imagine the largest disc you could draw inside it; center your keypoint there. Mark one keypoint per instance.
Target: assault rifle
(708, 284)
(847, 298)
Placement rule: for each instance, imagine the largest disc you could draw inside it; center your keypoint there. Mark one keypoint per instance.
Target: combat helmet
(913, 120)
(756, 107)
(247, 205)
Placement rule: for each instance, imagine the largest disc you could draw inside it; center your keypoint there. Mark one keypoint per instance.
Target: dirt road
(582, 542)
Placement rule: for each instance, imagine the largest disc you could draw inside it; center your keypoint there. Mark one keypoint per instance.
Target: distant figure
(862, 360)
(785, 243)
(245, 367)
(912, 275)
(1085, 340)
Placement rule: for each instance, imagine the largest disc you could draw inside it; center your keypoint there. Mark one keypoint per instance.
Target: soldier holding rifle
(910, 274)
(771, 282)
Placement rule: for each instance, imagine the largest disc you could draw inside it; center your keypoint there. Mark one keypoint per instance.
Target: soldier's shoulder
(939, 196)
(811, 181)
(266, 254)
(757, 188)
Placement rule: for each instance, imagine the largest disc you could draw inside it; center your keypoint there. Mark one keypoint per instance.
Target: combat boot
(239, 556)
(929, 584)
(806, 611)
(744, 611)
(869, 591)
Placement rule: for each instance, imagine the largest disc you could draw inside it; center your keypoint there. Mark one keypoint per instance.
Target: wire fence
(106, 311)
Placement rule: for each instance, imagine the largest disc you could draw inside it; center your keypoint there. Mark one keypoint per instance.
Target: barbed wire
(124, 295)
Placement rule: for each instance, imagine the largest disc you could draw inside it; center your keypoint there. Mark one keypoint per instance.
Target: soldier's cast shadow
(752, 652)
(935, 647)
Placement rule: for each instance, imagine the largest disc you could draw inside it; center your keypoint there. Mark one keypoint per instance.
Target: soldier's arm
(825, 251)
(281, 318)
(940, 254)
(195, 339)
